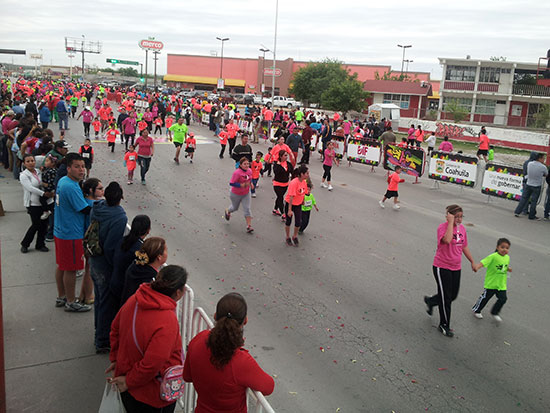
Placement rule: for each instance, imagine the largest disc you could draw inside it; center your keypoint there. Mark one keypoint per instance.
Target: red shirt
(232, 129)
(297, 189)
(157, 334)
(223, 137)
(112, 134)
(394, 181)
(484, 142)
(256, 169)
(223, 390)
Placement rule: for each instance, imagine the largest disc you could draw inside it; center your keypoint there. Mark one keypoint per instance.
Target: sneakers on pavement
(396, 206)
(45, 215)
(289, 242)
(75, 307)
(227, 215)
(330, 188)
(254, 195)
(323, 185)
(381, 204)
(296, 242)
(24, 249)
(497, 318)
(446, 331)
(478, 315)
(430, 308)
(60, 301)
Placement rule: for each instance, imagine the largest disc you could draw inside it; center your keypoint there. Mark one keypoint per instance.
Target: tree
(542, 117)
(454, 108)
(329, 84)
(128, 71)
(388, 76)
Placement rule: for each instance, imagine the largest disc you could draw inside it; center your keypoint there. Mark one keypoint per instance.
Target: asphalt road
(340, 321)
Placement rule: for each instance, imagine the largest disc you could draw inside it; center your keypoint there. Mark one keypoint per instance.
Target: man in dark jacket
(244, 149)
(112, 222)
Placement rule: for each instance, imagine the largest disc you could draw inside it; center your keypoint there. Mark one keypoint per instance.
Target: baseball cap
(61, 144)
(191, 134)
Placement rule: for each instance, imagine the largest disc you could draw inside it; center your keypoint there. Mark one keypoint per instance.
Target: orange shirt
(223, 137)
(268, 114)
(394, 181)
(158, 121)
(484, 142)
(232, 129)
(256, 169)
(142, 125)
(297, 189)
(97, 125)
(103, 113)
(190, 143)
(131, 158)
(112, 134)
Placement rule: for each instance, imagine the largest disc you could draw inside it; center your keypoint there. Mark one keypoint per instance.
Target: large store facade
(247, 75)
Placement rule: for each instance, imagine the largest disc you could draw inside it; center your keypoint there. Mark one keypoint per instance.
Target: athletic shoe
(478, 315)
(283, 217)
(60, 301)
(176, 160)
(79, 273)
(227, 215)
(381, 204)
(75, 307)
(300, 232)
(275, 212)
(24, 250)
(49, 240)
(516, 215)
(330, 188)
(45, 215)
(295, 241)
(43, 249)
(129, 182)
(102, 350)
(396, 206)
(446, 331)
(190, 160)
(497, 318)
(323, 185)
(249, 229)
(254, 195)
(547, 218)
(143, 182)
(535, 219)
(289, 242)
(430, 309)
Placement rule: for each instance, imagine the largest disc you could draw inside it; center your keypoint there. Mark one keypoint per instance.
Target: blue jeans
(63, 120)
(531, 193)
(254, 182)
(105, 306)
(144, 164)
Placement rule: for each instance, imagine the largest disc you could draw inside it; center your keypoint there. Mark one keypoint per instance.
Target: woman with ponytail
(148, 262)
(146, 341)
(219, 367)
(126, 253)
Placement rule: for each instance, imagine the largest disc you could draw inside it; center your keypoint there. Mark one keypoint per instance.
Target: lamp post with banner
(221, 83)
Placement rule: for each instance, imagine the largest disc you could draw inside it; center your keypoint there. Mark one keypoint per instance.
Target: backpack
(92, 246)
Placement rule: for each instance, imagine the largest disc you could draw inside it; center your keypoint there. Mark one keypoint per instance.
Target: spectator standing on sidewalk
(536, 171)
(112, 223)
(63, 113)
(69, 217)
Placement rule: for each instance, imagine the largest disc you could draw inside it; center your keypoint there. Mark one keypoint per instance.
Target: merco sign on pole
(150, 44)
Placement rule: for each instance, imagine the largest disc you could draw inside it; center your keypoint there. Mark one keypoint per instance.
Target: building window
(489, 74)
(464, 103)
(485, 107)
(461, 73)
(402, 101)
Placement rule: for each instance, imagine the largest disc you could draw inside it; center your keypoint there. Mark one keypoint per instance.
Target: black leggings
(297, 212)
(86, 128)
(158, 128)
(129, 138)
(448, 284)
(326, 175)
(280, 191)
(134, 406)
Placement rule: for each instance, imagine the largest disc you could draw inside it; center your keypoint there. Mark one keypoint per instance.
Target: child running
(309, 203)
(293, 203)
(256, 167)
(112, 133)
(87, 153)
(268, 161)
(158, 125)
(168, 122)
(497, 265)
(130, 161)
(391, 192)
(223, 135)
(97, 126)
(190, 146)
(330, 157)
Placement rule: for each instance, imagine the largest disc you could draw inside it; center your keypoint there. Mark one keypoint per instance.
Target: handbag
(171, 382)
(111, 401)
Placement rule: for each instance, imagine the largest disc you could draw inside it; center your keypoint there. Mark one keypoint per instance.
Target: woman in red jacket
(145, 341)
(217, 365)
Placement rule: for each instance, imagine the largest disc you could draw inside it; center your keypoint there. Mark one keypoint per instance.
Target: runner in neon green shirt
(180, 133)
(299, 115)
(497, 265)
(74, 105)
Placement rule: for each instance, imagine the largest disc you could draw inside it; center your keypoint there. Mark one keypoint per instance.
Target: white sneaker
(254, 195)
(323, 185)
(396, 206)
(330, 188)
(45, 215)
(478, 315)
(497, 318)
(381, 204)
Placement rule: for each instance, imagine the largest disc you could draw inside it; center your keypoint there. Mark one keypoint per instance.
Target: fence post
(2, 365)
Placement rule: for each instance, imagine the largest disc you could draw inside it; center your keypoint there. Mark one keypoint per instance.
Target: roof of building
(403, 88)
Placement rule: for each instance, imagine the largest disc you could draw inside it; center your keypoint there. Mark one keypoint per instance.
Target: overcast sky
(360, 31)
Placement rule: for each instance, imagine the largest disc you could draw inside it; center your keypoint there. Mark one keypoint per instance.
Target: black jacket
(241, 150)
(280, 174)
(135, 276)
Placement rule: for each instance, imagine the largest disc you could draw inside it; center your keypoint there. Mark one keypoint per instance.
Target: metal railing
(531, 90)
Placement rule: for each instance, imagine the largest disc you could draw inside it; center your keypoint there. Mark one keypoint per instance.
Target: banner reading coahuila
(455, 168)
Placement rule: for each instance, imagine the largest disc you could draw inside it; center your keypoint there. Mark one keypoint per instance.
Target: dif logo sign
(151, 45)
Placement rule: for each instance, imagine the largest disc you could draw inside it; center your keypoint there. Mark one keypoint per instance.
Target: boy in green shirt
(497, 265)
(309, 203)
(491, 154)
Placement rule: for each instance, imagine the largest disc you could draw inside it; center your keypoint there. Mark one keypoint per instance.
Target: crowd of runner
(123, 275)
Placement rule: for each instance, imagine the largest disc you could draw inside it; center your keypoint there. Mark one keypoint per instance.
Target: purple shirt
(87, 116)
(241, 177)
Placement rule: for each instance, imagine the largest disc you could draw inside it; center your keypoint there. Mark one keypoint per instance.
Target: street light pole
(403, 59)
(264, 50)
(274, 54)
(83, 39)
(223, 40)
(407, 67)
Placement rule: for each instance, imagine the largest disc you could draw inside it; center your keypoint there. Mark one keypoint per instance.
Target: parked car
(282, 101)
(238, 98)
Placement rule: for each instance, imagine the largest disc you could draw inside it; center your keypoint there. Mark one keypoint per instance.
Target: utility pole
(403, 59)
(264, 50)
(156, 53)
(274, 53)
(146, 59)
(223, 40)
(80, 45)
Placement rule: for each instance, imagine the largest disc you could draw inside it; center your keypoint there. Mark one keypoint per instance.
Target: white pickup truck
(283, 102)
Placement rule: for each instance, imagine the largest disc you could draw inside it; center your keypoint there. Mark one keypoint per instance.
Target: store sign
(151, 44)
(453, 168)
(410, 159)
(268, 71)
(364, 151)
(36, 56)
(502, 181)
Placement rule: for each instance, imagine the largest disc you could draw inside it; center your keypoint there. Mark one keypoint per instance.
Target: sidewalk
(51, 365)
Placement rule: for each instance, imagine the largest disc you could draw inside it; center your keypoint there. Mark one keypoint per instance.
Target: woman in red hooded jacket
(145, 341)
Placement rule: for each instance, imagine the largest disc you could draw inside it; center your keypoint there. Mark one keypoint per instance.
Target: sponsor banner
(151, 45)
(205, 118)
(365, 151)
(502, 181)
(409, 158)
(455, 168)
(243, 125)
(339, 146)
(141, 104)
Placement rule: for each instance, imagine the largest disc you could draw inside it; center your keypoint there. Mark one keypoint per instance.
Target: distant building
(494, 92)
(411, 97)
